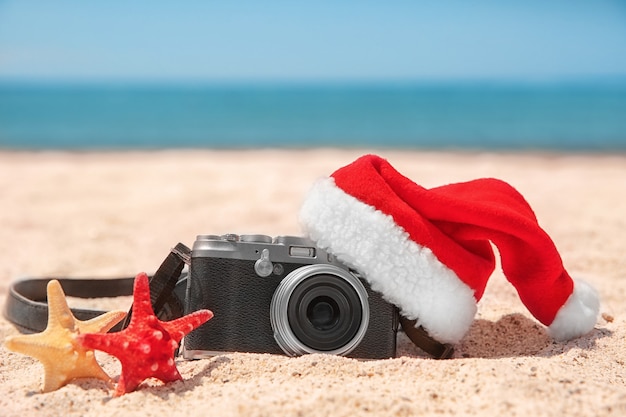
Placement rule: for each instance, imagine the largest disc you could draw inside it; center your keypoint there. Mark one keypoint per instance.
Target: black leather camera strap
(424, 341)
(27, 309)
(162, 285)
(26, 305)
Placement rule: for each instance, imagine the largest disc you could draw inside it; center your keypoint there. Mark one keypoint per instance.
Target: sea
(580, 116)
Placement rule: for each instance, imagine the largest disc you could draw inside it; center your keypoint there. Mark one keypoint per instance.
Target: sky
(196, 41)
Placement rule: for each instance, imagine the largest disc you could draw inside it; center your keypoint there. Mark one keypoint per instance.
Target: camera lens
(324, 312)
(319, 308)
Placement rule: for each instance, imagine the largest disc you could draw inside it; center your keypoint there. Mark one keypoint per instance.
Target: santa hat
(428, 251)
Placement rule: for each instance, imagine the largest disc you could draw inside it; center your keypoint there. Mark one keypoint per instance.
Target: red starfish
(146, 347)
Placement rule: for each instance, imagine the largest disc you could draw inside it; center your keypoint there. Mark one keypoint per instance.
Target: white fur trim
(578, 315)
(407, 274)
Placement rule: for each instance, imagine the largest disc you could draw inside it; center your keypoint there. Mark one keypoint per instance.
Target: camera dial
(256, 238)
(319, 309)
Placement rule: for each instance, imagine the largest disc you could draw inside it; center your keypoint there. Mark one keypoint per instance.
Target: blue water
(459, 116)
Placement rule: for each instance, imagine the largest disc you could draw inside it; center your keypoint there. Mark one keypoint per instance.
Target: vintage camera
(283, 295)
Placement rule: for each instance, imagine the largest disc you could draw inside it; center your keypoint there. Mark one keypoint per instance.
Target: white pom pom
(578, 315)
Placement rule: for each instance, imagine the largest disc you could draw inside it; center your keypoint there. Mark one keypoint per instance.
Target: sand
(116, 214)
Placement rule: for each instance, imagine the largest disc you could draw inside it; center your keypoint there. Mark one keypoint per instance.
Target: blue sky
(323, 40)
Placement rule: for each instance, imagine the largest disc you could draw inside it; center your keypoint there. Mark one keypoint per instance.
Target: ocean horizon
(472, 116)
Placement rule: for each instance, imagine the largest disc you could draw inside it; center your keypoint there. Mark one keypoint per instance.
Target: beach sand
(116, 214)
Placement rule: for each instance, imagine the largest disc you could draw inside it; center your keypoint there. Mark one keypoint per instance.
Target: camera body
(283, 295)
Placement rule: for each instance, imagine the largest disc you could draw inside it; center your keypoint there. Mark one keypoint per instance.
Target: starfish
(146, 347)
(63, 358)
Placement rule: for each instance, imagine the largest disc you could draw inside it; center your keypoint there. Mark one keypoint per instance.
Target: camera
(283, 295)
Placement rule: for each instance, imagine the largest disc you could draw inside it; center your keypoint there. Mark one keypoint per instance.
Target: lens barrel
(319, 309)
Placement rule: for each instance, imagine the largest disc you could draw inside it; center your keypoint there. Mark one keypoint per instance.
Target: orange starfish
(63, 358)
(146, 347)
